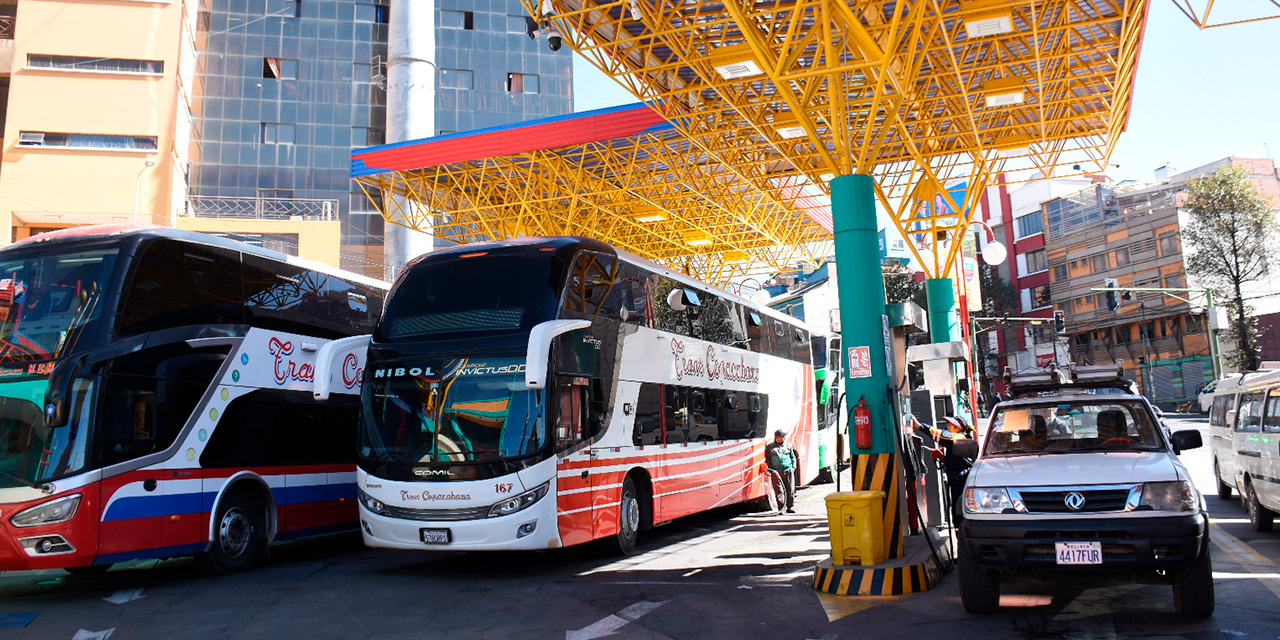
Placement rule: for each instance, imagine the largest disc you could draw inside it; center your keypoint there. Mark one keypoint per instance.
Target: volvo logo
(1074, 501)
(430, 472)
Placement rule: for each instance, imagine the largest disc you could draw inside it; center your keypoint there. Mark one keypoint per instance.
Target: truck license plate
(435, 536)
(1079, 552)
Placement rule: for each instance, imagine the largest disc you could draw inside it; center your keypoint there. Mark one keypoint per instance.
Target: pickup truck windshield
(1071, 426)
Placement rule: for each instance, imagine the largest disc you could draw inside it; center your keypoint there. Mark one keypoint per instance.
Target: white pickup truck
(1081, 479)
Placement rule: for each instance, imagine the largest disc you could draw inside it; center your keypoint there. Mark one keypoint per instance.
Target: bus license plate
(1079, 552)
(435, 536)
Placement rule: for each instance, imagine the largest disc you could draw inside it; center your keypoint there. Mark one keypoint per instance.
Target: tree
(1230, 227)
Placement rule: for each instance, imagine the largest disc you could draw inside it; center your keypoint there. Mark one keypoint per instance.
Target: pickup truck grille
(1095, 500)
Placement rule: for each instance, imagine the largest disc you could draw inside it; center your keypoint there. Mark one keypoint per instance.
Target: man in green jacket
(782, 459)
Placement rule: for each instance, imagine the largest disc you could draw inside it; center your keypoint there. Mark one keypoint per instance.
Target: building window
(1029, 224)
(1174, 281)
(280, 194)
(1168, 243)
(1122, 256)
(516, 24)
(368, 136)
(457, 19)
(1124, 334)
(1082, 339)
(1036, 261)
(522, 83)
(455, 79)
(1099, 263)
(85, 141)
(1195, 324)
(280, 68)
(99, 65)
(372, 13)
(1060, 273)
(277, 133)
(1040, 296)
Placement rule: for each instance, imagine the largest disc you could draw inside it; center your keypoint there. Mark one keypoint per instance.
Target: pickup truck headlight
(990, 500)
(51, 512)
(1168, 496)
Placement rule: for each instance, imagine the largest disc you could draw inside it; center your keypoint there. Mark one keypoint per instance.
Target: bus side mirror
(539, 350)
(324, 362)
(56, 398)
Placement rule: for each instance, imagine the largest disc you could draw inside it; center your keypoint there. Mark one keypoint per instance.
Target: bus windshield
(466, 410)
(439, 298)
(30, 452)
(1071, 426)
(47, 300)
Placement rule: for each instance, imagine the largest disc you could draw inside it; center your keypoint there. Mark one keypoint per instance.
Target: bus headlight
(51, 512)
(520, 502)
(1168, 496)
(990, 500)
(373, 504)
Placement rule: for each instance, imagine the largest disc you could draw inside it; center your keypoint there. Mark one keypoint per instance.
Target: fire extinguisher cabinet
(855, 519)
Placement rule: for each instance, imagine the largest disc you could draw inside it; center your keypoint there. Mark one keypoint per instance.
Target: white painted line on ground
(125, 595)
(84, 634)
(610, 624)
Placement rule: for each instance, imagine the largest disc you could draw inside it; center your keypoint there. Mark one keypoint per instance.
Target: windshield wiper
(21, 480)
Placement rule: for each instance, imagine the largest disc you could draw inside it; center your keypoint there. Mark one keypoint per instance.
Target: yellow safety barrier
(857, 532)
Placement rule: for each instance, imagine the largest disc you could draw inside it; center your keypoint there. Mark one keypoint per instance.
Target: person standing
(782, 460)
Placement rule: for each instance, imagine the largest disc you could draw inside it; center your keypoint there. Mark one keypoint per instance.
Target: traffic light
(1059, 322)
(1113, 297)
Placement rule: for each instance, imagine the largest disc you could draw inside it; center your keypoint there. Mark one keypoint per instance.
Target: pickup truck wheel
(1224, 489)
(979, 587)
(1193, 589)
(1260, 517)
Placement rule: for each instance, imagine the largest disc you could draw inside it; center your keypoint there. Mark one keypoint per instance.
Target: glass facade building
(286, 88)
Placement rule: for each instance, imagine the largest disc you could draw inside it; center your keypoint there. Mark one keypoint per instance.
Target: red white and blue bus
(155, 398)
(545, 392)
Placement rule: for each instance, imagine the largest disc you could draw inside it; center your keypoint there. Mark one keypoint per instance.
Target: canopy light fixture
(988, 24)
(651, 217)
(735, 256)
(697, 239)
(1004, 92)
(734, 62)
(791, 132)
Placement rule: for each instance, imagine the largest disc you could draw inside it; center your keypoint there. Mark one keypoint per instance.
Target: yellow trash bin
(856, 520)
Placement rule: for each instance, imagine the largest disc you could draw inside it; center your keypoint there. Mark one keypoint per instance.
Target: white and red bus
(545, 392)
(155, 398)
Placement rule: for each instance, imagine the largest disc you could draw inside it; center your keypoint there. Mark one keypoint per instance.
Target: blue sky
(1200, 95)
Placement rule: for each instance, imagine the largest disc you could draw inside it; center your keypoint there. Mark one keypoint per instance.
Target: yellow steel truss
(1201, 12)
(770, 97)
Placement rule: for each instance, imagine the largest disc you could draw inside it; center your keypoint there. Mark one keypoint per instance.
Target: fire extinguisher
(862, 424)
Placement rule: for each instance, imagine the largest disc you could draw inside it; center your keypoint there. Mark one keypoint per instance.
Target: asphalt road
(727, 574)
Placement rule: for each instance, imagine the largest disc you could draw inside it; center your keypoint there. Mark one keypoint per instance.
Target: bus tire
(239, 527)
(628, 519)
(1224, 489)
(1260, 517)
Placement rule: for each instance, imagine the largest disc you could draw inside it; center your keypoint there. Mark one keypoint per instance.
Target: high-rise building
(238, 116)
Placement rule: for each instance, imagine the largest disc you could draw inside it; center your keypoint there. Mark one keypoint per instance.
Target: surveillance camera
(531, 28)
(546, 8)
(635, 11)
(554, 43)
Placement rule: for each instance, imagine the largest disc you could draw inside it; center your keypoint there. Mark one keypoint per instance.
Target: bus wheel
(1224, 489)
(628, 518)
(1260, 517)
(237, 535)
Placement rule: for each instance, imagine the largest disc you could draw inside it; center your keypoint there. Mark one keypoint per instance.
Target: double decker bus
(155, 398)
(545, 392)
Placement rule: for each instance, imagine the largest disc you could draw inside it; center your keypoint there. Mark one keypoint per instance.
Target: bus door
(581, 471)
(1248, 426)
(1269, 452)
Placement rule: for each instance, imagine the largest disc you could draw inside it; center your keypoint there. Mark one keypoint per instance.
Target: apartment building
(237, 117)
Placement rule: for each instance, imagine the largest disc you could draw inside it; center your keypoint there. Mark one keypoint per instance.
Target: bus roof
(562, 242)
(75, 234)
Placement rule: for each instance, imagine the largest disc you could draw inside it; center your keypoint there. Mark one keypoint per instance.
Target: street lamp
(994, 253)
(137, 186)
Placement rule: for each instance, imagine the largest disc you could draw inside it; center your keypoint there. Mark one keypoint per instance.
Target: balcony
(261, 208)
(7, 22)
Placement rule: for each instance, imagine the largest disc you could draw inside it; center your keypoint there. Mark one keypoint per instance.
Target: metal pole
(411, 115)
(1215, 351)
(137, 188)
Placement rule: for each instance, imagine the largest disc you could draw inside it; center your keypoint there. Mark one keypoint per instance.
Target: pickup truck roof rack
(1051, 379)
